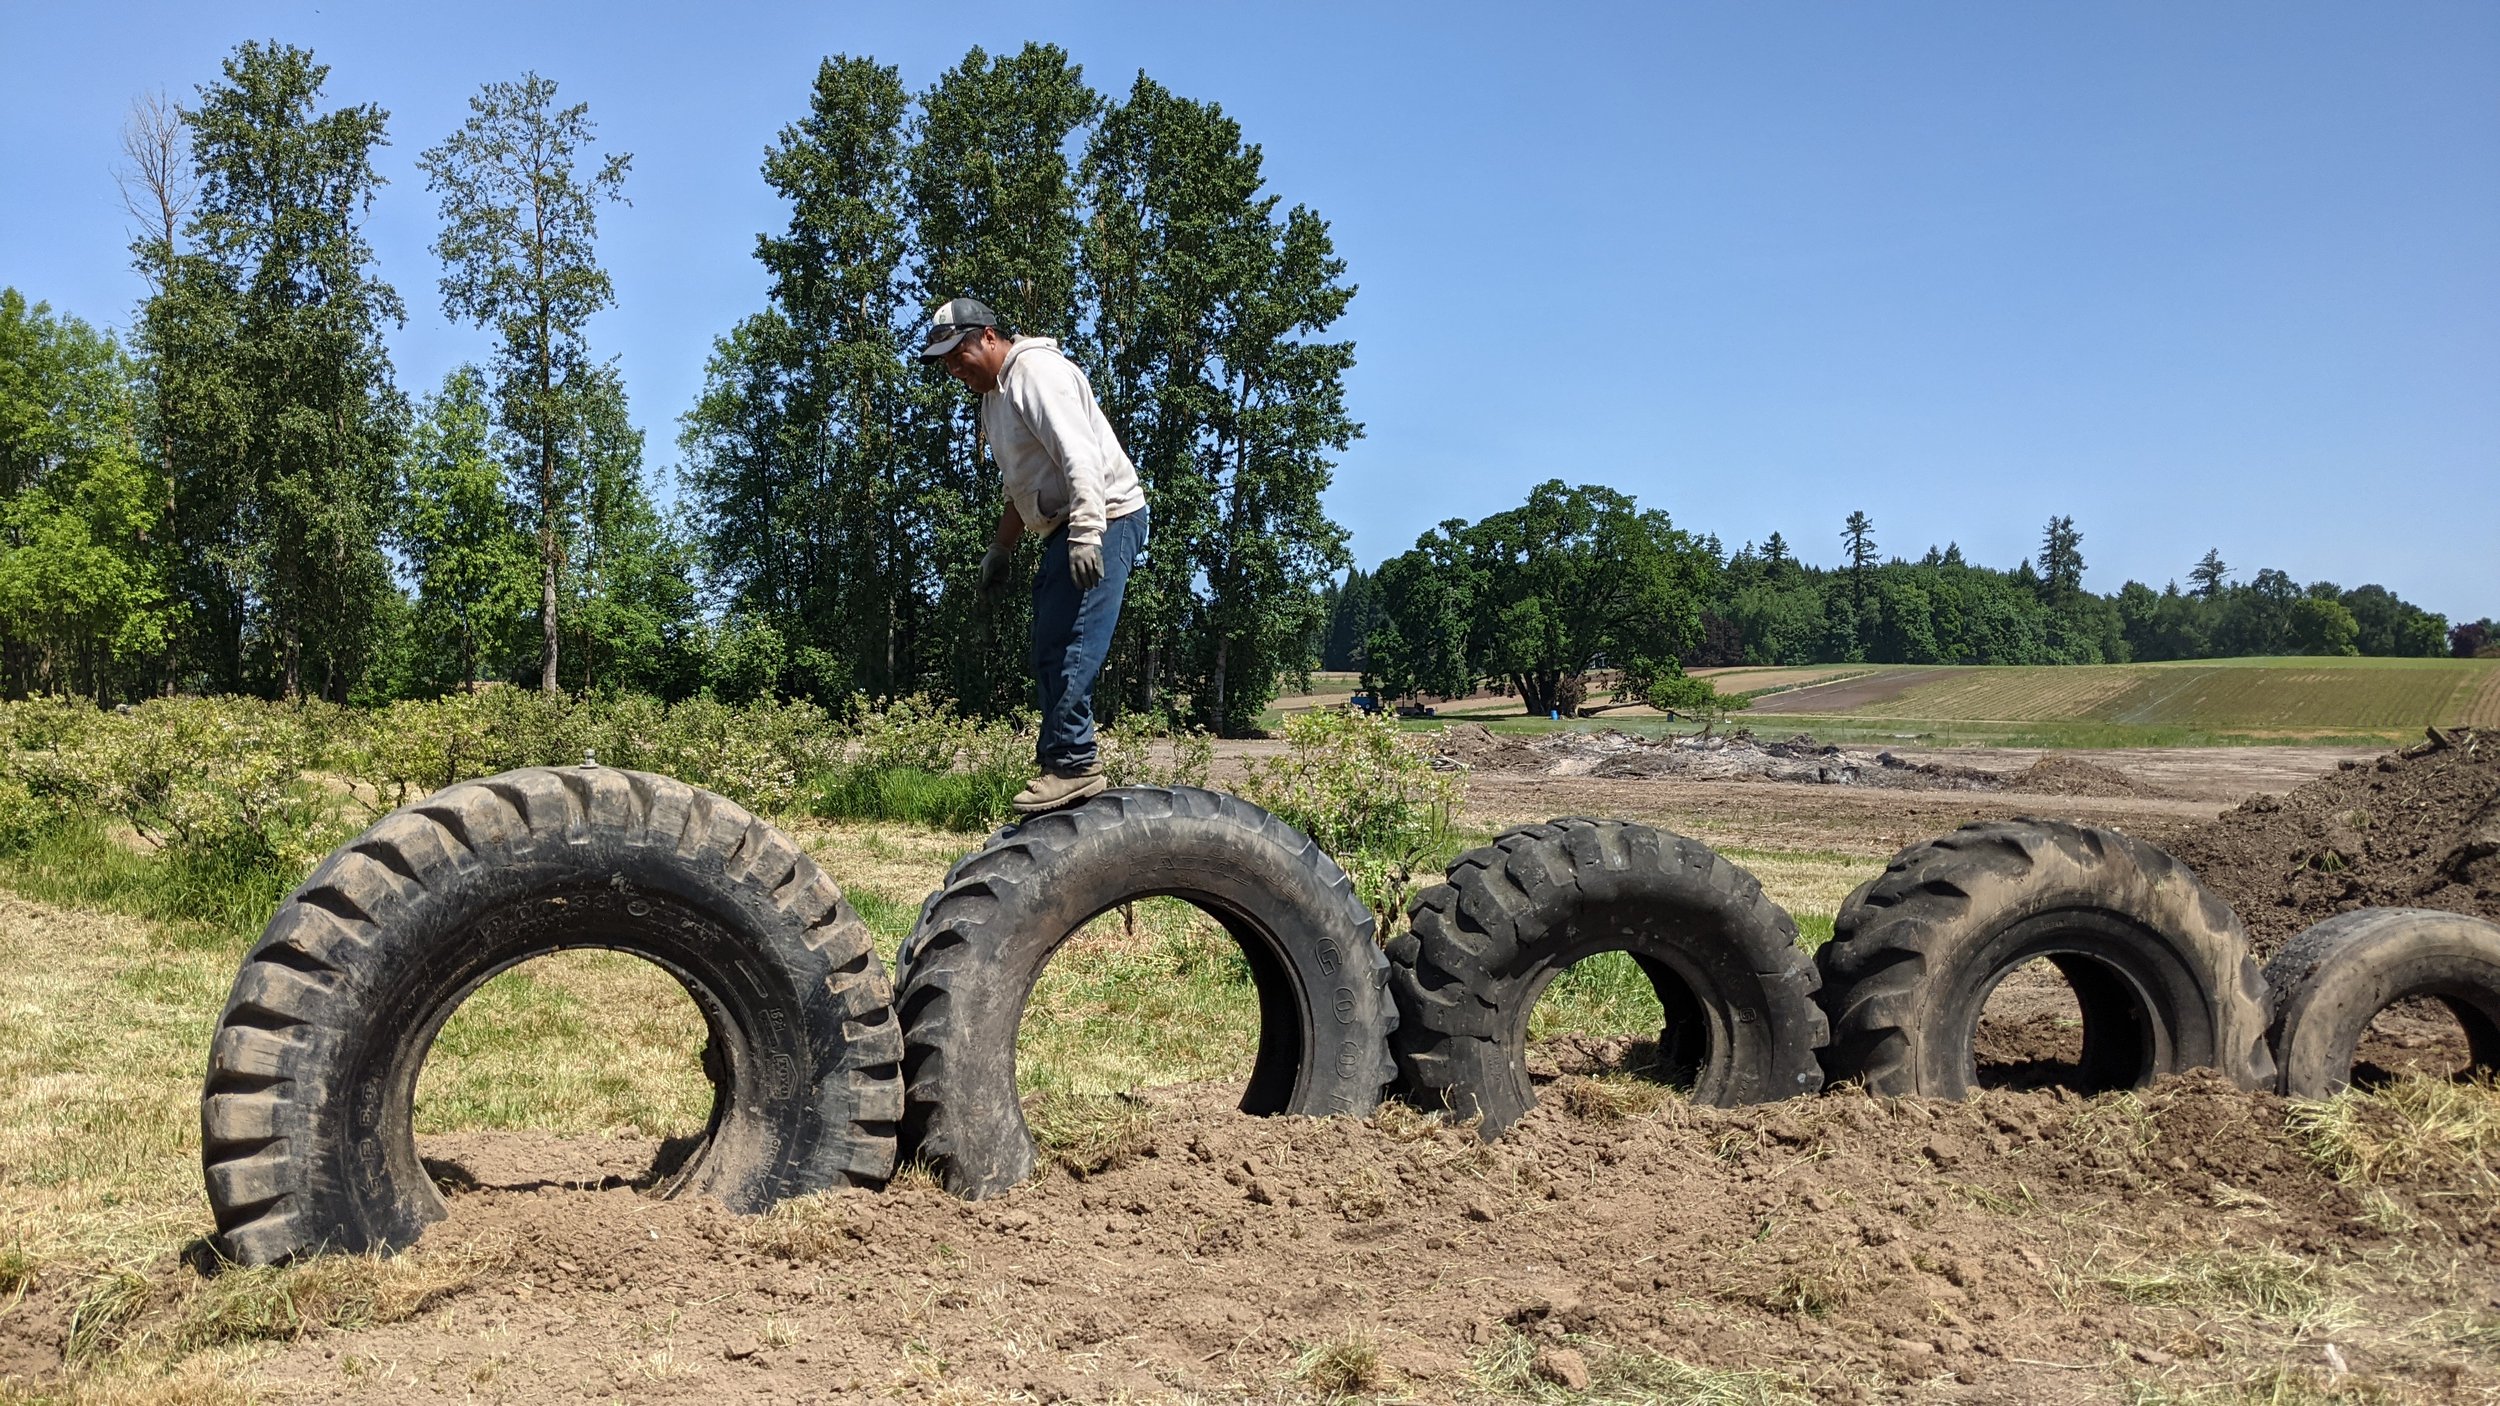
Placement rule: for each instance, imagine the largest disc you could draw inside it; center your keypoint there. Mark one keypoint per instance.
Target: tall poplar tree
(520, 226)
(993, 203)
(797, 454)
(279, 408)
(1205, 309)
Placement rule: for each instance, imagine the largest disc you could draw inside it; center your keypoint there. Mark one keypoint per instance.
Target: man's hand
(994, 569)
(1085, 564)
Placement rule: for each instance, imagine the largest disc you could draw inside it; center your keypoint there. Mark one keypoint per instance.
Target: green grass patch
(1606, 994)
(573, 1042)
(199, 900)
(1157, 994)
(968, 802)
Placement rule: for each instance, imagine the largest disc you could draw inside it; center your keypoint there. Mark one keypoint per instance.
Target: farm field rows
(2356, 694)
(2202, 702)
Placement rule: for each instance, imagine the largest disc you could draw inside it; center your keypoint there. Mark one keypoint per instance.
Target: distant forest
(1636, 588)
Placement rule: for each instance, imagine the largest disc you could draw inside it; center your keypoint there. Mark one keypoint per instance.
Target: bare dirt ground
(2169, 790)
(2021, 1247)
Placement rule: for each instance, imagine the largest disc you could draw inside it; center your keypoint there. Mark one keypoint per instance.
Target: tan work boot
(1055, 788)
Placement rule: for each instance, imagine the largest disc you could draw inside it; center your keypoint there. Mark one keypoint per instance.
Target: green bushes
(252, 793)
(1368, 793)
(761, 755)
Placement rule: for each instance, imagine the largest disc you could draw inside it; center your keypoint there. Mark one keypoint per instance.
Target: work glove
(993, 570)
(1085, 564)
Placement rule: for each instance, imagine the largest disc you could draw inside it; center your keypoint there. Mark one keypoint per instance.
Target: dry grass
(201, 1382)
(817, 1227)
(1507, 1371)
(2413, 1128)
(179, 1314)
(1090, 1133)
(1608, 1098)
(2265, 1285)
(1344, 1366)
(2269, 1386)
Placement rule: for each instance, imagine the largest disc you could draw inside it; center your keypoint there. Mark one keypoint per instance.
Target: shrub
(1129, 747)
(23, 819)
(1670, 689)
(208, 776)
(1367, 792)
(760, 755)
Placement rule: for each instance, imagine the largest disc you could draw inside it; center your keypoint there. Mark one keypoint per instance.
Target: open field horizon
(2282, 700)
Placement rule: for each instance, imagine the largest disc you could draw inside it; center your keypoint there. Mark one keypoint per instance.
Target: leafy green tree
(2389, 625)
(1858, 535)
(628, 585)
(520, 226)
(2256, 618)
(1421, 643)
(1209, 308)
(1574, 579)
(279, 414)
(468, 559)
(83, 600)
(2321, 625)
(799, 455)
(2061, 558)
(993, 203)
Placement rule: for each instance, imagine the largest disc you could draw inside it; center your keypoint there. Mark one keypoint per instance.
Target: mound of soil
(2058, 774)
(2418, 828)
(1612, 755)
(1868, 1248)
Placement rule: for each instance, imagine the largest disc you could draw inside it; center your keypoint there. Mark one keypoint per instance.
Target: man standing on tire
(1069, 481)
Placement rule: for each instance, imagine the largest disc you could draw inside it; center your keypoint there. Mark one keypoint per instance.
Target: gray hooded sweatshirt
(1060, 459)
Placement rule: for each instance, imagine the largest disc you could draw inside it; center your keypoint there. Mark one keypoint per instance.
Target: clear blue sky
(2211, 275)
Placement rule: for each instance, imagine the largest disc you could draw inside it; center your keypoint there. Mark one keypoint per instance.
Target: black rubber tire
(1741, 1026)
(2332, 979)
(2160, 967)
(305, 1119)
(968, 968)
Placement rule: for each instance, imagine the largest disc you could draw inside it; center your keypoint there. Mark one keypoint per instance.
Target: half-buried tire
(1737, 989)
(2332, 979)
(2160, 968)
(312, 1074)
(968, 968)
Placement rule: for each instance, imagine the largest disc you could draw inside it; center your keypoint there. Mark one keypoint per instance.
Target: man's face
(976, 360)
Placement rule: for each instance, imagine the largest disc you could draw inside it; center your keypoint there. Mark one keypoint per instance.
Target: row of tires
(826, 1072)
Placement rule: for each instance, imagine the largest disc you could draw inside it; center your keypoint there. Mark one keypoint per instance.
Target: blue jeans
(1072, 636)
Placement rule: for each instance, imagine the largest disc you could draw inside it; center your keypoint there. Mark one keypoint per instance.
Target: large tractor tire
(968, 968)
(1737, 989)
(305, 1120)
(2160, 968)
(2332, 979)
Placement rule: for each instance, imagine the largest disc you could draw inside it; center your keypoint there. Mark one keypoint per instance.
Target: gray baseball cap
(950, 324)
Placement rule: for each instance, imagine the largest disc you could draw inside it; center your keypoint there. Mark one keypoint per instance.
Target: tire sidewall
(2339, 975)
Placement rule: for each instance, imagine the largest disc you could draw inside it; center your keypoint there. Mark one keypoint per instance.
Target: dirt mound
(1858, 1247)
(2058, 774)
(1612, 755)
(2418, 828)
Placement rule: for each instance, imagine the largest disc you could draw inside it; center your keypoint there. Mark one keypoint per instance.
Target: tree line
(240, 499)
(1538, 598)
